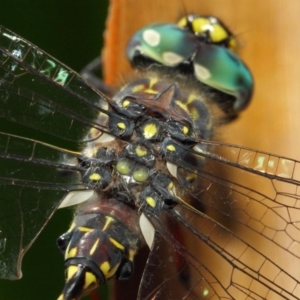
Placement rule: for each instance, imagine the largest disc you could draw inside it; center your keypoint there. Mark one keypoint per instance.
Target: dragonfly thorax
(154, 122)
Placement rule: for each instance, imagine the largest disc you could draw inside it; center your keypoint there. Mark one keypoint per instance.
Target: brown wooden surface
(269, 43)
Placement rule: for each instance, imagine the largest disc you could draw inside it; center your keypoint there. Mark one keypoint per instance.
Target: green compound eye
(204, 44)
(124, 166)
(140, 174)
(221, 69)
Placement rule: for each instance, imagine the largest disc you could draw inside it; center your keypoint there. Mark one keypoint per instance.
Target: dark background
(71, 31)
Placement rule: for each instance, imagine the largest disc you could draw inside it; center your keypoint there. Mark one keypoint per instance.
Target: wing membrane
(56, 100)
(34, 178)
(241, 226)
(42, 101)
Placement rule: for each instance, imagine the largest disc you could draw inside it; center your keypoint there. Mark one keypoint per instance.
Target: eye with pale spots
(151, 37)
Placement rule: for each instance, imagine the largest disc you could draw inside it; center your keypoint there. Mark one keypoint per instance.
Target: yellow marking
(150, 130)
(200, 25)
(105, 268)
(171, 148)
(182, 105)
(85, 229)
(170, 185)
(192, 98)
(67, 251)
(92, 250)
(125, 103)
(116, 244)
(151, 91)
(95, 177)
(131, 254)
(121, 125)
(71, 271)
(151, 201)
(232, 45)
(195, 114)
(138, 88)
(185, 130)
(72, 252)
(140, 151)
(71, 227)
(191, 177)
(89, 279)
(108, 221)
(153, 81)
(182, 22)
(61, 297)
(218, 33)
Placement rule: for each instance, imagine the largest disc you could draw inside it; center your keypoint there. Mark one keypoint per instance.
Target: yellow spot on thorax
(140, 151)
(185, 130)
(153, 81)
(125, 103)
(195, 114)
(95, 177)
(150, 130)
(182, 105)
(171, 148)
(121, 125)
(170, 185)
(151, 91)
(137, 88)
(151, 201)
(108, 221)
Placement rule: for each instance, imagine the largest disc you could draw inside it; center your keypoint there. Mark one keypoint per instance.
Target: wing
(234, 239)
(40, 100)
(46, 93)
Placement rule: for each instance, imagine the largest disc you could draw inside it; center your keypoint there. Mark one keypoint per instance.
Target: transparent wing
(239, 231)
(34, 178)
(40, 100)
(49, 100)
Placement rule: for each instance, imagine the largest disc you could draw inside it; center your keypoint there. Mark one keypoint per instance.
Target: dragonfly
(204, 226)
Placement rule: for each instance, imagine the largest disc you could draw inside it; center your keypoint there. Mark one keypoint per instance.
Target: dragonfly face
(229, 228)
